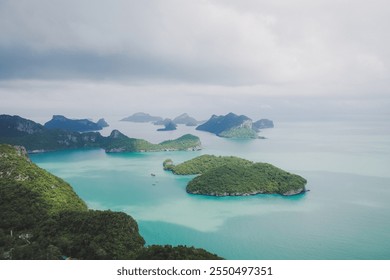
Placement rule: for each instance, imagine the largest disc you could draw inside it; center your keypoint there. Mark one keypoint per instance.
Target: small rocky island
(233, 176)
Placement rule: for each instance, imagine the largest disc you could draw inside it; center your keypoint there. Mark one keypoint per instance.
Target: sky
(284, 60)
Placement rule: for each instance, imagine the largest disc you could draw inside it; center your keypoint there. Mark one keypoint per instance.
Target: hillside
(41, 217)
(34, 192)
(15, 130)
(232, 176)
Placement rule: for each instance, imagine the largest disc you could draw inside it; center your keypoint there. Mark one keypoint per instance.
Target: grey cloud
(288, 59)
(220, 42)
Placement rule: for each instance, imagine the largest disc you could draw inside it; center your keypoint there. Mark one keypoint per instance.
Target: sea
(345, 215)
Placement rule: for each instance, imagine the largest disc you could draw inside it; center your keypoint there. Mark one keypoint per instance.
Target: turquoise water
(346, 215)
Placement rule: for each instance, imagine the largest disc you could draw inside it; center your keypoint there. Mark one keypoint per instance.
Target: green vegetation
(41, 217)
(185, 142)
(239, 132)
(33, 191)
(230, 176)
(119, 142)
(167, 252)
(203, 163)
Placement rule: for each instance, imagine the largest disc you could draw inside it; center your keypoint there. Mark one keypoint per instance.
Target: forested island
(35, 137)
(233, 176)
(41, 217)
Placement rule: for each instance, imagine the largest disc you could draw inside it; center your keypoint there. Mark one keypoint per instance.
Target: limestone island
(234, 126)
(234, 176)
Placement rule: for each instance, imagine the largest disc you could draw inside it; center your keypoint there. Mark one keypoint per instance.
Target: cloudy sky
(286, 60)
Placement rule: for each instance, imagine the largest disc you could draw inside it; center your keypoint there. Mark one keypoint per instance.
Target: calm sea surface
(346, 214)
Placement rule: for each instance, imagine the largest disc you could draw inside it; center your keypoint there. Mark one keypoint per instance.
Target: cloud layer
(277, 55)
(214, 42)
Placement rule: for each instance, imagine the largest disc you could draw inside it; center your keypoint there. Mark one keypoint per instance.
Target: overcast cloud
(173, 52)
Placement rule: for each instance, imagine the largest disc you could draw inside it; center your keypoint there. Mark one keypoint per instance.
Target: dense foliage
(41, 217)
(223, 176)
(239, 132)
(15, 130)
(203, 163)
(185, 142)
(167, 252)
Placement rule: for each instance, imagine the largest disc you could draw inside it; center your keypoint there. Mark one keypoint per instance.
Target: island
(41, 217)
(102, 122)
(141, 117)
(234, 176)
(16, 130)
(169, 125)
(229, 126)
(262, 124)
(186, 120)
(79, 125)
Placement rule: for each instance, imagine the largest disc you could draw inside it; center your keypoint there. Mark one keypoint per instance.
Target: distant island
(262, 124)
(142, 117)
(102, 122)
(169, 125)
(181, 119)
(41, 217)
(15, 130)
(233, 176)
(186, 120)
(233, 126)
(81, 125)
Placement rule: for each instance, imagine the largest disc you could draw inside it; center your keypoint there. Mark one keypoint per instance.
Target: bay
(345, 215)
